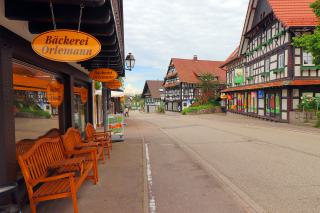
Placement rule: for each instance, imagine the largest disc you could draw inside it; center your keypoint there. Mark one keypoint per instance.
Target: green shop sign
(239, 76)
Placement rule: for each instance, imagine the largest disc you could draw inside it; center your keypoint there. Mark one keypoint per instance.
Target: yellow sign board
(55, 93)
(115, 84)
(66, 45)
(103, 75)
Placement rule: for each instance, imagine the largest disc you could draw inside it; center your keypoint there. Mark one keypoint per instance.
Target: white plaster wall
(284, 116)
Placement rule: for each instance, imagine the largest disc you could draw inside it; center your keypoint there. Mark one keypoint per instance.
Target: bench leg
(110, 144)
(108, 151)
(74, 196)
(33, 206)
(103, 157)
(96, 173)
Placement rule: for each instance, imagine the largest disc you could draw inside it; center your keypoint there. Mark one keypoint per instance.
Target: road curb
(241, 197)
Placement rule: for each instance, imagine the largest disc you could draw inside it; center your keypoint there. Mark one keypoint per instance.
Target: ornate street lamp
(130, 61)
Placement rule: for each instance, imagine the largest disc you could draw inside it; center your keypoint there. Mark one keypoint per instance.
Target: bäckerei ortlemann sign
(103, 75)
(66, 45)
(115, 84)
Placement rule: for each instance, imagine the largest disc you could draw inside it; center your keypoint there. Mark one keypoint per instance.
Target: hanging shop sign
(84, 95)
(55, 93)
(103, 75)
(66, 45)
(115, 84)
(239, 76)
(223, 96)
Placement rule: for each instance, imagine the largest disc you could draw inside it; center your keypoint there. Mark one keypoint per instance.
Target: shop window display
(34, 115)
(252, 102)
(273, 104)
(80, 114)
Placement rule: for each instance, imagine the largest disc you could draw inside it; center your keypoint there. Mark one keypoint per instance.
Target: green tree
(209, 87)
(311, 42)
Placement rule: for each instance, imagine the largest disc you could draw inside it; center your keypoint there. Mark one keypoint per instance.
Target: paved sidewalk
(120, 187)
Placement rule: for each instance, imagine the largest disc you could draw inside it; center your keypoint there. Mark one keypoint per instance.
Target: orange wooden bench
(72, 142)
(100, 137)
(50, 175)
(24, 145)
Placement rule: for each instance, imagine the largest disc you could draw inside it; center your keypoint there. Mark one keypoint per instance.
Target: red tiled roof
(301, 82)
(234, 55)
(294, 13)
(189, 69)
(154, 87)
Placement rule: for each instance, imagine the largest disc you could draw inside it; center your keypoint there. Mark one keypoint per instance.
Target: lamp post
(130, 61)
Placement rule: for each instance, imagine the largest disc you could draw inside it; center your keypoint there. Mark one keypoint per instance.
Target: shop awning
(300, 82)
(101, 18)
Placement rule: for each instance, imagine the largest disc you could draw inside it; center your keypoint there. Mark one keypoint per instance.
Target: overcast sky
(158, 30)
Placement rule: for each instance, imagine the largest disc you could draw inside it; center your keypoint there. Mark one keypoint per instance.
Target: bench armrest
(56, 177)
(91, 151)
(90, 144)
(83, 151)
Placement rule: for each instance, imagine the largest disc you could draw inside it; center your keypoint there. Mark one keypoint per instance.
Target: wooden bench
(24, 145)
(72, 142)
(49, 174)
(100, 137)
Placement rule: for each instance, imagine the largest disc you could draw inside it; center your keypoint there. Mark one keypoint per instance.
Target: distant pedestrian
(126, 112)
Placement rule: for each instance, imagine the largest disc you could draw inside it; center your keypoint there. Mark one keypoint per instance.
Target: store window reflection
(80, 115)
(34, 115)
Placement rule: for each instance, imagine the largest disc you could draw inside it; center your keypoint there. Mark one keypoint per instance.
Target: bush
(161, 109)
(198, 108)
(318, 120)
(35, 111)
(309, 104)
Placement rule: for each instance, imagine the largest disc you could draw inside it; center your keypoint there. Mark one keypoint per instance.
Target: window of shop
(281, 61)
(34, 115)
(307, 59)
(267, 65)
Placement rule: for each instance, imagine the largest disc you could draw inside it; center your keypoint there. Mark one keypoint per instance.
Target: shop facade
(266, 74)
(26, 112)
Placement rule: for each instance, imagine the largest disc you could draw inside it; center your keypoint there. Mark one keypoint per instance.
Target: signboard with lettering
(55, 93)
(116, 126)
(103, 75)
(115, 84)
(66, 45)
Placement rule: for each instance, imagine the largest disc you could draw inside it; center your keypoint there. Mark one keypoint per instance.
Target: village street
(218, 163)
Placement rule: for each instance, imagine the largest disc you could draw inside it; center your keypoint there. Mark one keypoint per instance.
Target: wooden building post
(67, 111)
(105, 106)
(8, 163)
(90, 103)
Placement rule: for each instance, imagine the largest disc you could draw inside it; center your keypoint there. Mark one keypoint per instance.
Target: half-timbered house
(151, 94)
(181, 82)
(266, 74)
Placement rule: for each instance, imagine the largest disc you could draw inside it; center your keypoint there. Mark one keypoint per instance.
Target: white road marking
(152, 200)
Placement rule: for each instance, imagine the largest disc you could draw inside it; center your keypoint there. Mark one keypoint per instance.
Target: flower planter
(303, 118)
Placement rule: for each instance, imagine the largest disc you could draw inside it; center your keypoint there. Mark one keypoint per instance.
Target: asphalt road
(216, 163)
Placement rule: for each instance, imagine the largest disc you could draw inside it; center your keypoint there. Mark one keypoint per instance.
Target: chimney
(195, 57)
